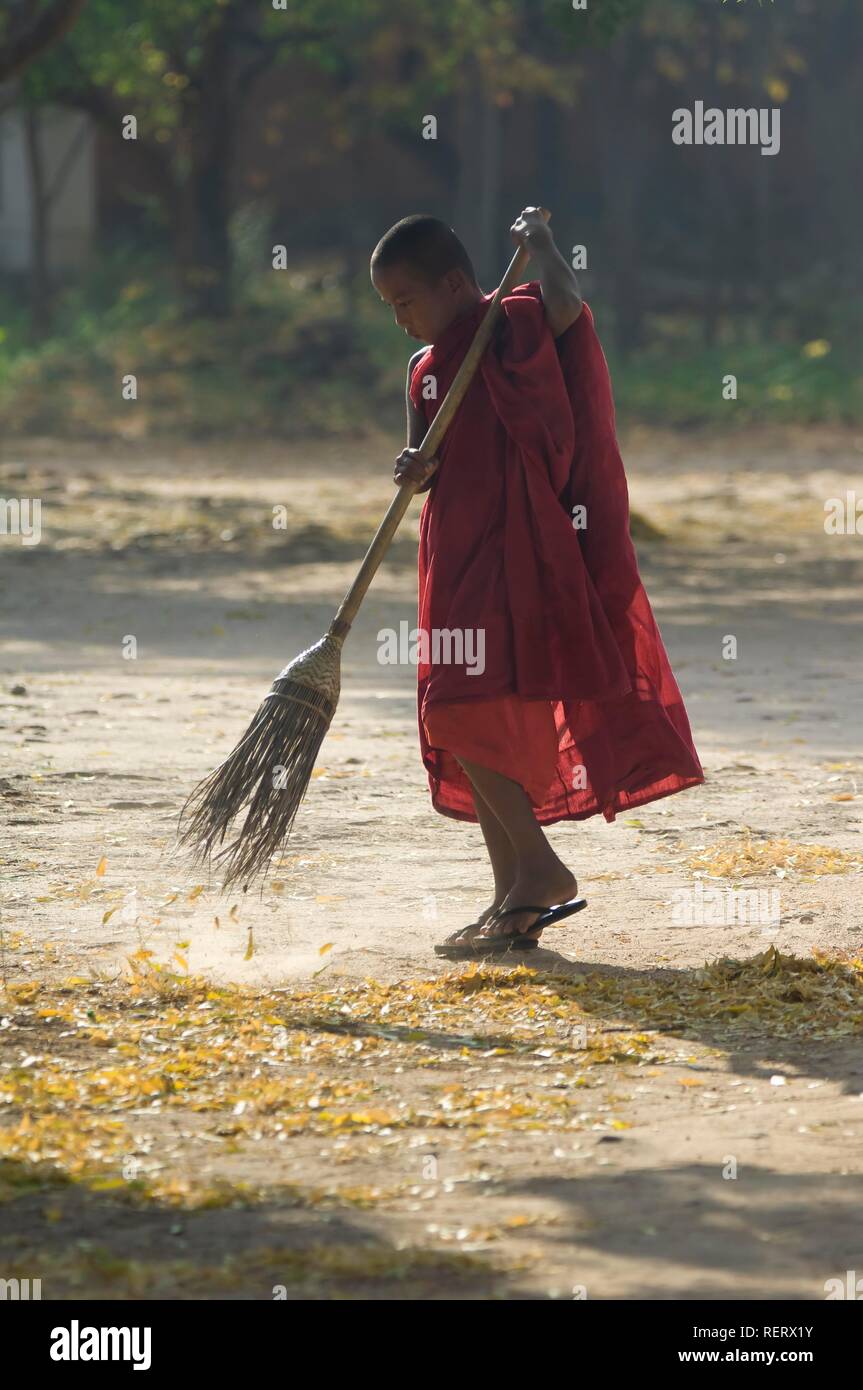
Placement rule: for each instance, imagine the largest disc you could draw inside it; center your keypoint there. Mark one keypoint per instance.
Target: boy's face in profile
(422, 309)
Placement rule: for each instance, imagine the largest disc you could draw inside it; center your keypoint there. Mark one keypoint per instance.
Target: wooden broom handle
(341, 624)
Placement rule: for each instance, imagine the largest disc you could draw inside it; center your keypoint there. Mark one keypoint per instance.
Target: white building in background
(68, 145)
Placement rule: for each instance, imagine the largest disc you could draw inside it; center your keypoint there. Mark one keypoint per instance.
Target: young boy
(525, 555)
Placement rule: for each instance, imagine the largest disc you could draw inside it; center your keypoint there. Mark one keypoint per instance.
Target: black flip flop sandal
(520, 941)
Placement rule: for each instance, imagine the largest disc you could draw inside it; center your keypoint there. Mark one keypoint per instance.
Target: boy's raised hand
(530, 229)
(411, 469)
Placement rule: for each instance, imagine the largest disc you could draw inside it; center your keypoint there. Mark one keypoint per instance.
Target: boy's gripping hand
(410, 469)
(531, 229)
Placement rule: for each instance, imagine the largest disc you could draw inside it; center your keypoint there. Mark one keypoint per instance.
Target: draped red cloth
(563, 610)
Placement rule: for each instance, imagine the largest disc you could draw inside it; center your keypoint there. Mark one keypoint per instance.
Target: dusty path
(620, 1191)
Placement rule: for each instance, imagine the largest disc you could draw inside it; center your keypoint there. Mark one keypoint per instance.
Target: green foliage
(147, 62)
(599, 22)
(308, 353)
(778, 383)
(396, 54)
(293, 359)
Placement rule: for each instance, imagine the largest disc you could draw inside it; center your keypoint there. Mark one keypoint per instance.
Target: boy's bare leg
(540, 877)
(504, 860)
(504, 863)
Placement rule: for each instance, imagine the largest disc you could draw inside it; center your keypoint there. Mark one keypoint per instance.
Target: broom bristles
(268, 772)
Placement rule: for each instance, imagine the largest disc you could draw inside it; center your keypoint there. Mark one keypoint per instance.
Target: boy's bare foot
(543, 890)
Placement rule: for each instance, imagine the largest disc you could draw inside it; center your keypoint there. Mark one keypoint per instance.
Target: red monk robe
(577, 699)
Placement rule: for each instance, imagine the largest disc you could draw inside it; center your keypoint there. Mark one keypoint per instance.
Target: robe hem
(624, 801)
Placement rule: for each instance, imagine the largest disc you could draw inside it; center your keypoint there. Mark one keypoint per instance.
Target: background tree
(29, 27)
(183, 69)
(186, 68)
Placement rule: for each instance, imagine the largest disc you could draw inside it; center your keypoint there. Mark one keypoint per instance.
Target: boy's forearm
(416, 435)
(560, 293)
(416, 425)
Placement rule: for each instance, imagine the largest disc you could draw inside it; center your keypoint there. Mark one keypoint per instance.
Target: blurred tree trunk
(548, 161)
(205, 146)
(361, 233)
(714, 238)
(622, 153)
(765, 44)
(492, 219)
(764, 259)
(834, 82)
(40, 279)
(201, 237)
(478, 200)
(715, 197)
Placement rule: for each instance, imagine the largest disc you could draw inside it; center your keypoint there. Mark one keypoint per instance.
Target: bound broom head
(268, 772)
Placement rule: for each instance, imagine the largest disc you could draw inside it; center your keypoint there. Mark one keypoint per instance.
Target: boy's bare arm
(406, 464)
(415, 422)
(560, 294)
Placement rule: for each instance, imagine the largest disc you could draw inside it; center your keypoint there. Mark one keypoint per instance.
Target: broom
(270, 769)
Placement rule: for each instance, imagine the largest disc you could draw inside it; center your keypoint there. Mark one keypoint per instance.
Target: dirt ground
(622, 1116)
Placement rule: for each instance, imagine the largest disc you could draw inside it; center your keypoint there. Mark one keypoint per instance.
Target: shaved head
(425, 244)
